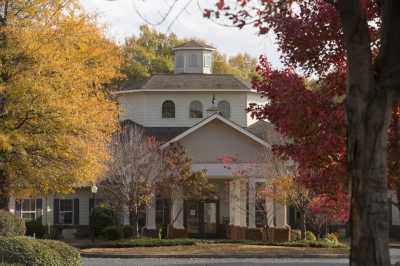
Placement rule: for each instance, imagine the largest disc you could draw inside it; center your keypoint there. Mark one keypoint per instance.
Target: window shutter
(39, 208)
(91, 205)
(18, 207)
(76, 211)
(56, 211)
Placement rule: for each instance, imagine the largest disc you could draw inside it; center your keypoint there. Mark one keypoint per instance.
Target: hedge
(11, 225)
(112, 233)
(36, 229)
(32, 252)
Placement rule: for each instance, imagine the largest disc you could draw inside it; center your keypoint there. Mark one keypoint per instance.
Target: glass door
(210, 218)
(192, 217)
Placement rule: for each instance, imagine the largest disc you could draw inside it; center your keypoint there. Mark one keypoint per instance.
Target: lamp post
(94, 191)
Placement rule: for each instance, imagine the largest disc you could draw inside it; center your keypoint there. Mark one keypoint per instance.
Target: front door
(192, 217)
(201, 218)
(210, 219)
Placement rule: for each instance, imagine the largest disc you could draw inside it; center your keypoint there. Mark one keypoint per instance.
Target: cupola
(193, 57)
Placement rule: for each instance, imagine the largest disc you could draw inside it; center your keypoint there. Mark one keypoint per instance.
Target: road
(395, 253)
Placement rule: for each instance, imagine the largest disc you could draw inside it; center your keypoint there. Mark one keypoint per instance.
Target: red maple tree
(346, 44)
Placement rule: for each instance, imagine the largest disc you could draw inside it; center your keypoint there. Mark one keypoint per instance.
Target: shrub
(102, 218)
(128, 231)
(11, 225)
(295, 235)
(69, 255)
(112, 233)
(310, 236)
(33, 252)
(35, 228)
(332, 238)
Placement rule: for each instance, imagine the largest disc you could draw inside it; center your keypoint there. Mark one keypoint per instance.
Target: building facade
(206, 113)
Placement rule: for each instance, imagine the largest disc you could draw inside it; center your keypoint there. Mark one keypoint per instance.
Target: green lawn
(154, 242)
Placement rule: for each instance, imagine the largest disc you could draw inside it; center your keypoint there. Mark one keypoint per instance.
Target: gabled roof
(223, 120)
(193, 44)
(187, 82)
(267, 131)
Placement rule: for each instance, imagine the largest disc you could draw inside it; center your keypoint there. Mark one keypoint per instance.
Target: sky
(122, 20)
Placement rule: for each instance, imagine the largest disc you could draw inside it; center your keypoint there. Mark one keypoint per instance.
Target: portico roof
(211, 118)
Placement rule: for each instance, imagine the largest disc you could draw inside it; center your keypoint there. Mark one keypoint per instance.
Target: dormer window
(225, 109)
(168, 109)
(196, 109)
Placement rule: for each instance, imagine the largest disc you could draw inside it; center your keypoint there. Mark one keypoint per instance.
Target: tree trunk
(303, 225)
(368, 109)
(4, 192)
(135, 221)
(396, 122)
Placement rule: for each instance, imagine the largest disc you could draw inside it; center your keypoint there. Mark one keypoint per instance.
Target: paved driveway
(395, 253)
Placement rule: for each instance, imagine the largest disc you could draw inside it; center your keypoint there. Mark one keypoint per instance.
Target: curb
(213, 256)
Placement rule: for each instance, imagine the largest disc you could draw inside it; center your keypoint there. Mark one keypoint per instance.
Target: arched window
(196, 109)
(168, 109)
(225, 109)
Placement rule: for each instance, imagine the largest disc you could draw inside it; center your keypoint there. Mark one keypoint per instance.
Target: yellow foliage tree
(56, 116)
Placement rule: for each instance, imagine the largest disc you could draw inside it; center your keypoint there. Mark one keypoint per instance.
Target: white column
(243, 202)
(151, 215)
(177, 211)
(237, 202)
(233, 202)
(125, 215)
(281, 215)
(269, 205)
(252, 203)
(11, 204)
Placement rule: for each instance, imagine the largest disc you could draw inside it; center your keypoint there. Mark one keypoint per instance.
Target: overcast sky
(122, 20)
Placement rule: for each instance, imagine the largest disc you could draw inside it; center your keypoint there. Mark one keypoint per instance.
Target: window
(261, 207)
(196, 110)
(225, 109)
(66, 211)
(207, 60)
(193, 60)
(162, 211)
(29, 209)
(168, 109)
(179, 61)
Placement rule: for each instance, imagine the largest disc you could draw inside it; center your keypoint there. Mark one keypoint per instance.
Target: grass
(135, 242)
(154, 242)
(300, 243)
(209, 248)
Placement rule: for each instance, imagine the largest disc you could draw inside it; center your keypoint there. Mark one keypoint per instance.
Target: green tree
(149, 53)
(56, 115)
(152, 53)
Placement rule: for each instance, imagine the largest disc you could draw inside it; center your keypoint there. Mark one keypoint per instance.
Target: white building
(207, 114)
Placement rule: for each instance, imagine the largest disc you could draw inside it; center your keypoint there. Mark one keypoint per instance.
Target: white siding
(132, 106)
(182, 100)
(82, 195)
(215, 140)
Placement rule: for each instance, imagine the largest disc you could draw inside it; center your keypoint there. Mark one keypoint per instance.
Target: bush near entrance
(33, 252)
(102, 218)
(11, 225)
(36, 229)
